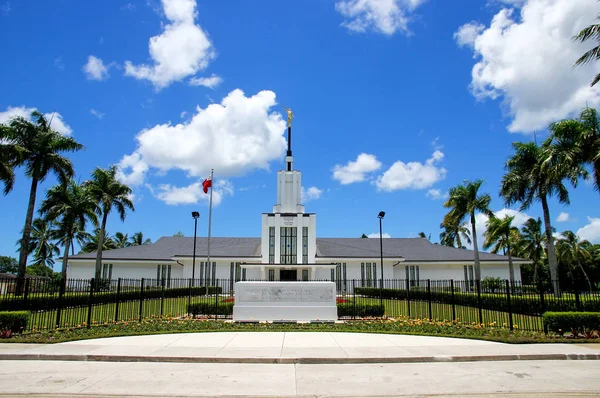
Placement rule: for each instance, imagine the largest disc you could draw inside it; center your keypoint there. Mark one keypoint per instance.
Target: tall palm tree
(79, 236)
(9, 155)
(96, 239)
(70, 206)
(500, 235)
(452, 234)
(591, 32)
(533, 175)
(464, 201)
(532, 243)
(121, 240)
(577, 141)
(41, 150)
(424, 236)
(572, 252)
(42, 243)
(138, 239)
(109, 192)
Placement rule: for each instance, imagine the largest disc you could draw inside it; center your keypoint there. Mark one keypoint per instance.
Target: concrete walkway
(291, 348)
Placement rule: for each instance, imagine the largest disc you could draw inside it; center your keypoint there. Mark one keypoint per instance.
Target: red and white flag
(207, 184)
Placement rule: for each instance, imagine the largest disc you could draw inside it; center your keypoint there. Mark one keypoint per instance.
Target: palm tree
(452, 234)
(121, 240)
(591, 32)
(532, 243)
(109, 192)
(93, 242)
(533, 175)
(9, 155)
(138, 239)
(500, 234)
(70, 206)
(464, 201)
(40, 148)
(79, 236)
(577, 142)
(424, 236)
(42, 243)
(571, 251)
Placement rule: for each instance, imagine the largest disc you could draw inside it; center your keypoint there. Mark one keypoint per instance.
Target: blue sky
(431, 94)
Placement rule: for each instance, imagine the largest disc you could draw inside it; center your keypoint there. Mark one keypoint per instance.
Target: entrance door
(288, 275)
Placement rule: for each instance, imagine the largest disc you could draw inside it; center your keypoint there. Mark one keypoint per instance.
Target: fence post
(429, 299)
(353, 298)
(26, 290)
(216, 299)
(90, 302)
(452, 298)
(478, 285)
(190, 293)
(162, 298)
(117, 301)
(61, 291)
(542, 298)
(408, 296)
(510, 314)
(577, 300)
(141, 299)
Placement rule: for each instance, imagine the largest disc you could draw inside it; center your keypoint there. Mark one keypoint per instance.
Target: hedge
(526, 305)
(360, 310)
(204, 308)
(51, 302)
(561, 322)
(13, 322)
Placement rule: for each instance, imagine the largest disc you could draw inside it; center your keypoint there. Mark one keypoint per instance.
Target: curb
(296, 360)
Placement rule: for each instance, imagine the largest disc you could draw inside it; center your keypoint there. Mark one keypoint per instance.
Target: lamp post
(380, 216)
(195, 216)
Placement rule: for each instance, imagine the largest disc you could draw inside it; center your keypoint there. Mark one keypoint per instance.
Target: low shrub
(13, 322)
(574, 322)
(205, 308)
(360, 310)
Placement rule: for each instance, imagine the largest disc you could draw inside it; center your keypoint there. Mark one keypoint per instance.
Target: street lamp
(380, 216)
(195, 216)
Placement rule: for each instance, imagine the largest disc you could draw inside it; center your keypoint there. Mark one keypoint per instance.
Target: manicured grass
(400, 325)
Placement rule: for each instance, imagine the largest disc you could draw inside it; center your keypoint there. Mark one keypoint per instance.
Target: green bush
(492, 284)
(360, 310)
(13, 321)
(560, 322)
(205, 308)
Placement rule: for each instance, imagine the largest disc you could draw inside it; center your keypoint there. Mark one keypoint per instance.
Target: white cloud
(210, 82)
(382, 16)
(412, 175)
(562, 217)
(436, 194)
(59, 63)
(132, 169)
(312, 193)
(356, 171)
(481, 220)
(95, 69)
(55, 119)
(193, 193)
(96, 113)
(590, 231)
(183, 114)
(527, 61)
(181, 50)
(234, 137)
(376, 235)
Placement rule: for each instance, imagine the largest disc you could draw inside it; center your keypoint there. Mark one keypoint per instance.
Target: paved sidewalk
(292, 347)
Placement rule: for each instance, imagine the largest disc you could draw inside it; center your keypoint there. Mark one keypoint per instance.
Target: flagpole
(209, 226)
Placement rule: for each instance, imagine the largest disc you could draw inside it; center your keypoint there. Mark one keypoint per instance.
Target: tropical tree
(79, 236)
(533, 175)
(9, 155)
(138, 239)
(96, 239)
(455, 233)
(364, 236)
(424, 236)
(591, 32)
(109, 192)
(41, 150)
(500, 235)
(42, 243)
(70, 206)
(464, 201)
(532, 243)
(121, 240)
(178, 234)
(573, 252)
(8, 265)
(577, 142)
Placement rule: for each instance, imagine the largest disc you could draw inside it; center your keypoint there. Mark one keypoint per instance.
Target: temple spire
(289, 159)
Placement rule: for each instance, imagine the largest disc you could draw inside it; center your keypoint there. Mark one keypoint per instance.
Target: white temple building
(288, 249)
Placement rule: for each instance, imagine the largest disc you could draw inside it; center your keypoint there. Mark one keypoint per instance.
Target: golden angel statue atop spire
(290, 116)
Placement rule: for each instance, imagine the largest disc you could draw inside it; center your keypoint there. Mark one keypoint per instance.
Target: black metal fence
(496, 303)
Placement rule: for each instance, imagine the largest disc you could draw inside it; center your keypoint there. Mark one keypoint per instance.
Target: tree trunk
(98, 272)
(458, 241)
(587, 279)
(596, 164)
(511, 268)
(26, 236)
(552, 262)
(63, 271)
(475, 248)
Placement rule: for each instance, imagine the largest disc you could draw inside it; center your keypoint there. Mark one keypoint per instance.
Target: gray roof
(411, 249)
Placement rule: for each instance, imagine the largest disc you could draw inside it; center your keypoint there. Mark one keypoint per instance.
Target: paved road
(530, 378)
